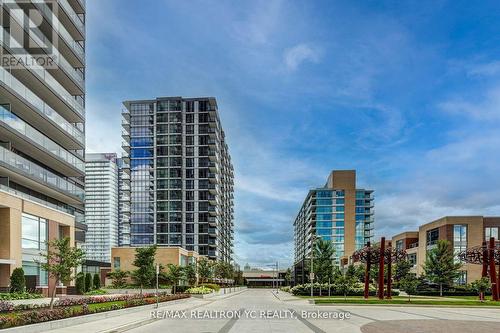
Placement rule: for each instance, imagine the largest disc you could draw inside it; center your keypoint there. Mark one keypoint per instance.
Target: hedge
(358, 290)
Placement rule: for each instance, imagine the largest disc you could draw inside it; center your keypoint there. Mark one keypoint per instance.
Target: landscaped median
(402, 300)
(18, 315)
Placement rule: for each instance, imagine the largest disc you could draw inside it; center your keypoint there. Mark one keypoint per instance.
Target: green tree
(145, 263)
(346, 284)
(360, 273)
(118, 278)
(174, 275)
(337, 274)
(401, 270)
(88, 282)
(440, 266)
(60, 261)
(97, 281)
(80, 283)
(288, 277)
(351, 272)
(190, 274)
(17, 281)
(481, 286)
(409, 285)
(205, 271)
(323, 260)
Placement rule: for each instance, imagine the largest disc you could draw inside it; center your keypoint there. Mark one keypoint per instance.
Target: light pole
(311, 274)
(157, 273)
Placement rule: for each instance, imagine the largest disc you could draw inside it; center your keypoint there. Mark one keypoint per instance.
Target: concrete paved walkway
(261, 310)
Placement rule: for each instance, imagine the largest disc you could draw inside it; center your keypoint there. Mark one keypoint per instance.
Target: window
(116, 263)
(432, 236)
(34, 232)
(399, 244)
(459, 239)
(490, 232)
(412, 259)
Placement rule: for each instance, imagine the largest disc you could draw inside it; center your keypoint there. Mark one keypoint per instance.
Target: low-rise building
(123, 257)
(463, 232)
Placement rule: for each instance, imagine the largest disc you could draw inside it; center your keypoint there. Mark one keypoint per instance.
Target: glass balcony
(39, 105)
(76, 47)
(21, 165)
(72, 15)
(73, 73)
(50, 146)
(44, 75)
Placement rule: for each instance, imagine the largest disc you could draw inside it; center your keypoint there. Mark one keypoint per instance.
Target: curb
(408, 305)
(67, 322)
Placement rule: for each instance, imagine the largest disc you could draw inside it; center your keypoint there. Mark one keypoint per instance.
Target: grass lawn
(404, 301)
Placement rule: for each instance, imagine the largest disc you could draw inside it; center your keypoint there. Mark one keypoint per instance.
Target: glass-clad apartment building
(339, 213)
(101, 206)
(177, 178)
(42, 132)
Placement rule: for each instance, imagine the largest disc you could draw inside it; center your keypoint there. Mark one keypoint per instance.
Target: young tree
(97, 281)
(481, 286)
(118, 277)
(360, 273)
(351, 272)
(190, 274)
(174, 274)
(61, 259)
(288, 277)
(80, 283)
(346, 284)
(88, 282)
(440, 266)
(409, 284)
(204, 269)
(145, 263)
(17, 281)
(401, 270)
(323, 256)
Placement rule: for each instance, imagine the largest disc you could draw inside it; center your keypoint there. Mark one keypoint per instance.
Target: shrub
(88, 282)
(285, 289)
(14, 296)
(212, 286)
(17, 281)
(97, 281)
(335, 290)
(80, 283)
(97, 292)
(199, 290)
(119, 278)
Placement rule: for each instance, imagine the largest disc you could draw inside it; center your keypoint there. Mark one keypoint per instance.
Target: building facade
(338, 212)
(463, 232)
(42, 133)
(101, 206)
(177, 178)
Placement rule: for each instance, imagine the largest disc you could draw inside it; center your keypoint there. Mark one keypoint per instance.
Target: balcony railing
(77, 21)
(61, 60)
(39, 105)
(21, 165)
(18, 125)
(61, 30)
(44, 75)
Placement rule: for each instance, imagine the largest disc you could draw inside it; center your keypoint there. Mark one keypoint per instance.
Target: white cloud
(487, 108)
(295, 56)
(485, 69)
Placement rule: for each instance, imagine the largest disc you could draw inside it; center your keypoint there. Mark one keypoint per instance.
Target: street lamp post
(157, 273)
(311, 274)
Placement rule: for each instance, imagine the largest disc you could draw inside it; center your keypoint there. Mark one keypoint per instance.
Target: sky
(405, 92)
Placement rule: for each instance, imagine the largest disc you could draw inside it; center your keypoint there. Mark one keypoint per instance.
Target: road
(261, 310)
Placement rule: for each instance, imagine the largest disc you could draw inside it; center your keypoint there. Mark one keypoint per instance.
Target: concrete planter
(222, 291)
(135, 291)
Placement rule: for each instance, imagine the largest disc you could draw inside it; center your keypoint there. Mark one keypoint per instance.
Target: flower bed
(15, 316)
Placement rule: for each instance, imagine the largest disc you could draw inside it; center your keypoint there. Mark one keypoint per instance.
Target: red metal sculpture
(487, 255)
(372, 255)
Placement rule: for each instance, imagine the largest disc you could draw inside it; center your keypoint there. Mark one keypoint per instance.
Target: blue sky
(405, 92)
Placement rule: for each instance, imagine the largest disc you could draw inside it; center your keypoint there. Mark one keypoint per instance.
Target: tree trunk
(141, 289)
(54, 292)
(481, 296)
(441, 290)
(409, 299)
